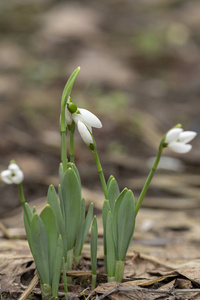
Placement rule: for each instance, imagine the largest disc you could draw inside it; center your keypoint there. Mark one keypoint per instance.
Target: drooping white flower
(13, 175)
(177, 139)
(84, 120)
(85, 134)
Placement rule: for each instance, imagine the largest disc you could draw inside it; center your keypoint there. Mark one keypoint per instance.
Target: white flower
(177, 139)
(85, 134)
(84, 120)
(13, 175)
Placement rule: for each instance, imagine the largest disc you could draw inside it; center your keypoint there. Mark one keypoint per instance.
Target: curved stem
(22, 200)
(100, 171)
(149, 178)
(63, 151)
(71, 151)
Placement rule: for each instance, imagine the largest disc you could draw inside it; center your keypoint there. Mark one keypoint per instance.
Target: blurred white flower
(13, 175)
(177, 139)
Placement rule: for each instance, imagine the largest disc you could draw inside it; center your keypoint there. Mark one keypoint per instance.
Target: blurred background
(140, 74)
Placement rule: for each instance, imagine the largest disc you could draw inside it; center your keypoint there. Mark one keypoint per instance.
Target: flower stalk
(149, 178)
(100, 171)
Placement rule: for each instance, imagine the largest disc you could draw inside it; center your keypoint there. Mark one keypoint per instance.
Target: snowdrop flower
(85, 133)
(84, 120)
(177, 139)
(13, 175)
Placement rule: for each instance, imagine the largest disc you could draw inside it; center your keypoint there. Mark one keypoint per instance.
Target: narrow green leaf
(58, 258)
(111, 252)
(52, 200)
(115, 216)
(40, 250)
(71, 195)
(105, 210)
(93, 249)
(61, 201)
(109, 180)
(126, 223)
(68, 87)
(60, 172)
(74, 168)
(88, 221)
(28, 215)
(64, 279)
(113, 192)
(79, 238)
(49, 220)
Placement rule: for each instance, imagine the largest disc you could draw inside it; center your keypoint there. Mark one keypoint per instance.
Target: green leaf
(113, 191)
(52, 200)
(58, 258)
(79, 238)
(74, 168)
(109, 180)
(115, 216)
(111, 251)
(126, 223)
(88, 221)
(61, 201)
(71, 195)
(60, 172)
(93, 249)
(105, 210)
(68, 87)
(28, 215)
(49, 220)
(40, 249)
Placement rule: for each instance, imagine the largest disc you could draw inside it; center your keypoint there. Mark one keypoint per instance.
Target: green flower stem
(100, 171)
(94, 281)
(119, 272)
(64, 278)
(150, 176)
(64, 150)
(22, 200)
(70, 254)
(71, 151)
(21, 194)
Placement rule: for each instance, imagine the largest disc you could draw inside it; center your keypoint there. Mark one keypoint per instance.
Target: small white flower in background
(13, 175)
(84, 120)
(177, 139)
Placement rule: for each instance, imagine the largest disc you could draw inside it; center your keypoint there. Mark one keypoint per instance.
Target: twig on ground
(168, 292)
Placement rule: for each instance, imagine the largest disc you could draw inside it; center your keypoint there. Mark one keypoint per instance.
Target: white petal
(172, 135)
(180, 147)
(13, 167)
(68, 116)
(6, 176)
(18, 177)
(85, 134)
(187, 136)
(90, 118)
(77, 117)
